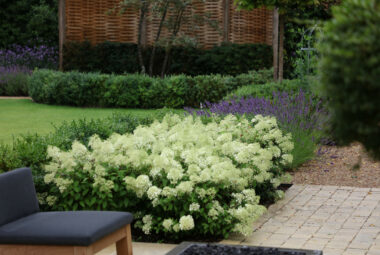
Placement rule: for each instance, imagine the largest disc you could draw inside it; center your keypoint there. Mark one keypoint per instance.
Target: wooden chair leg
(124, 246)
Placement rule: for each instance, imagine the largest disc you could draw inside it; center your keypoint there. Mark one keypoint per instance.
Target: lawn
(24, 116)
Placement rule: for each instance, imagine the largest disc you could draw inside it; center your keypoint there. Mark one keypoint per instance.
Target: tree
(350, 72)
(281, 9)
(179, 16)
(28, 22)
(172, 15)
(143, 7)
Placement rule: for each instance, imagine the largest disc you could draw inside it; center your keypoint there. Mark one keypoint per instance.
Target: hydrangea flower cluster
(181, 171)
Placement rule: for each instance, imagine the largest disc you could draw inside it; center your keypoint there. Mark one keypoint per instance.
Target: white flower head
(186, 223)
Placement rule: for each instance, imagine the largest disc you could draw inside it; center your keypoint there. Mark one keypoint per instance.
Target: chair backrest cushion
(17, 195)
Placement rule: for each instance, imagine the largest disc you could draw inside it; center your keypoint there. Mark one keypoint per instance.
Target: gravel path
(339, 166)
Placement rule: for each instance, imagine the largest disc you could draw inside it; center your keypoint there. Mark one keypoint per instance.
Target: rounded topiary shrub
(350, 70)
(179, 177)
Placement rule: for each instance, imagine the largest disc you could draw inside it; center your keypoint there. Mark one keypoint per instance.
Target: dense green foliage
(350, 70)
(25, 21)
(108, 57)
(262, 172)
(30, 150)
(179, 177)
(266, 90)
(134, 90)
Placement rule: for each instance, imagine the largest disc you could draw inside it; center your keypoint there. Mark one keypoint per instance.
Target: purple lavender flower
(296, 111)
(31, 57)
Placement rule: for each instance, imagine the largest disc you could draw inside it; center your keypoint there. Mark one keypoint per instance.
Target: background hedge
(134, 90)
(110, 57)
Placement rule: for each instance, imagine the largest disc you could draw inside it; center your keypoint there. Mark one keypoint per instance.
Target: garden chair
(26, 230)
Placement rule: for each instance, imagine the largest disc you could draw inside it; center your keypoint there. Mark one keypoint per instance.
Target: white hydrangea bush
(179, 177)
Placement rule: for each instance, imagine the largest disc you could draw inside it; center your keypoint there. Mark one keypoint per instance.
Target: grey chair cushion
(17, 195)
(81, 228)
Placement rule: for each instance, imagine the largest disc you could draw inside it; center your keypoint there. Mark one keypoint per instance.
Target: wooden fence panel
(89, 20)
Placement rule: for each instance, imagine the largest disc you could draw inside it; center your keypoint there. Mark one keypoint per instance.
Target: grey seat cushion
(81, 228)
(17, 195)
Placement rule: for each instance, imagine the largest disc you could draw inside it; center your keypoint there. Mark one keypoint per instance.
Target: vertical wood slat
(88, 20)
(226, 20)
(275, 43)
(62, 30)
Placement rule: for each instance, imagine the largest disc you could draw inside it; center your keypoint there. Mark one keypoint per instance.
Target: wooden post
(281, 48)
(275, 43)
(62, 30)
(226, 28)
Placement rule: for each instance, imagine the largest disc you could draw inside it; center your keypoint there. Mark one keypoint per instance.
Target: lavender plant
(13, 80)
(17, 63)
(300, 114)
(32, 57)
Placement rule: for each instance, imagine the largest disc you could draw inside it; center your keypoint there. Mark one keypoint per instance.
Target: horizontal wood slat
(89, 20)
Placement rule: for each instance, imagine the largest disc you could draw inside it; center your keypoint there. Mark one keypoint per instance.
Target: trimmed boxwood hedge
(134, 90)
(118, 58)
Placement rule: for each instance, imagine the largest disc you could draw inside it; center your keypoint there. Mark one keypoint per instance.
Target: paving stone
(269, 228)
(325, 193)
(360, 245)
(362, 189)
(355, 252)
(328, 251)
(287, 230)
(315, 243)
(230, 242)
(345, 235)
(355, 222)
(339, 220)
(257, 237)
(338, 244)
(295, 243)
(341, 194)
(326, 232)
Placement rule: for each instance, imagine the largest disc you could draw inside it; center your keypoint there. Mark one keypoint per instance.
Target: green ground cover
(24, 116)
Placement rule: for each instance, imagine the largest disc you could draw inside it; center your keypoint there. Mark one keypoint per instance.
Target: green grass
(23, 116)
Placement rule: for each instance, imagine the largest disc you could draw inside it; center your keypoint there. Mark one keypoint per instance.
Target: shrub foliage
(350, 71)
(134, 90)
(109, 57)
(180, 177)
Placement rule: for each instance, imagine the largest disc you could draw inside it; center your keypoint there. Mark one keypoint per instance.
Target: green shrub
(350, 70)
(180, 178)
(267, 90)
(30, 150)
(134, 90)
(119, 58)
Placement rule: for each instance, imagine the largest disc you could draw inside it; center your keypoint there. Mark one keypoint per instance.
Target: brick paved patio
(337, 220)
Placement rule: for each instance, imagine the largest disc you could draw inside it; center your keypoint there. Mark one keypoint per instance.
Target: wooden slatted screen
(89, 20)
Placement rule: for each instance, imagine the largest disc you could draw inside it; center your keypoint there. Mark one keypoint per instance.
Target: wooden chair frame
(122, 238)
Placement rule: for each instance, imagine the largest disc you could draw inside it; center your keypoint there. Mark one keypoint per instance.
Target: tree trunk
(281, 48)
(140, 28)
(165, 63)
(275, 43)
(169, 47)
(153, 54)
